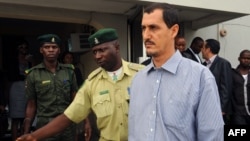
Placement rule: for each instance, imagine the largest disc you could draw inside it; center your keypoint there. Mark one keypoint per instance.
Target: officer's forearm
(26, 125)
(29, 116)
(52, 128)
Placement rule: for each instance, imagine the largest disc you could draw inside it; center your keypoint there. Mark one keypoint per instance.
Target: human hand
(87, 130)
(26, 137)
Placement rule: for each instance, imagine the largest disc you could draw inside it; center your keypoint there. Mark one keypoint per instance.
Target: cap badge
(53, 40)
(96, 41)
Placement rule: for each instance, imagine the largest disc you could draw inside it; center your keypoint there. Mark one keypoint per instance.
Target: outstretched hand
(26, 137)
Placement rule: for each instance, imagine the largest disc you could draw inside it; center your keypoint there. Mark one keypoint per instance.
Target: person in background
(105, 92)
(193, 51)
(50, 88)
(241, 91)
(16, 90)
(159, 109)
(222, 71)
(180, 43)
(68, 58)
(88, 125)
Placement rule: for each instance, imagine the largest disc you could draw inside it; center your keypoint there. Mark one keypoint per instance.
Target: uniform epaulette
(94, 73)
(135, 66)
(29, 70)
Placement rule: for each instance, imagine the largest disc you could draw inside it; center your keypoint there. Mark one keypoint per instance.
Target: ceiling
(72, 10)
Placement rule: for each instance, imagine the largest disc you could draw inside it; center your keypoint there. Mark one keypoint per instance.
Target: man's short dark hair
(214, 45)
(170, 14)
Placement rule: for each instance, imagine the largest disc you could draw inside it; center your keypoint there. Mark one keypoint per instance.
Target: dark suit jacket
(189, 54)
(222, 71)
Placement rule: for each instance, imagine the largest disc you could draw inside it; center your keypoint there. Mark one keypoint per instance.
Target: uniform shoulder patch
(68, 66)
(94, 73)
(27, 71)
(135, 66)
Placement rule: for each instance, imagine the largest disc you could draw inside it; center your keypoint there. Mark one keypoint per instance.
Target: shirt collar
(170, 65)
(125, 70)
(211, 60)
(42, 65)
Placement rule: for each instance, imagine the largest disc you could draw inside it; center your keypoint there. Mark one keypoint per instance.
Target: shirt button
(151, 129)
(157, 81)
(120, 123)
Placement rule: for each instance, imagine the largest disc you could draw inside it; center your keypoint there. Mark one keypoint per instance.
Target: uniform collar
(42, 65)
(125, 70)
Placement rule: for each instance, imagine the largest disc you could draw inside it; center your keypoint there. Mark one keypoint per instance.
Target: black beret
(49, 38)
(102, 36)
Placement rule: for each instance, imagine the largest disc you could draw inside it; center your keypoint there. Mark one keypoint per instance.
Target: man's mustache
(149, 42)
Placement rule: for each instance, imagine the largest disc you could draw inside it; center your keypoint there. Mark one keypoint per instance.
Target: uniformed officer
(105, 92)
(50, 88)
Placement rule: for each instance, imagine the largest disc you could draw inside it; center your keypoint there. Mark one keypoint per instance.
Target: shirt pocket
(64, 89)
(102, 105)
(42, 88)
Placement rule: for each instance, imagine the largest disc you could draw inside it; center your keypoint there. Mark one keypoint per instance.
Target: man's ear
(117, 45)
(175, 30)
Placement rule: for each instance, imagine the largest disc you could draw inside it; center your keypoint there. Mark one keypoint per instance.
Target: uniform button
(120, 123)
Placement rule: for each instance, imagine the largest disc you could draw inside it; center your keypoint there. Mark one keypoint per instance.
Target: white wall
(236, 39)
(240, 6)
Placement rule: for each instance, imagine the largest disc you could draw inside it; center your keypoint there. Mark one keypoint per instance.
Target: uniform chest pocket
(102, 105)
(42, 88)
(64, 87)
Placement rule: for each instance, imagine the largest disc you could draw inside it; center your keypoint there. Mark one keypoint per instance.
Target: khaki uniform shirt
(52, 91)
(109, 101)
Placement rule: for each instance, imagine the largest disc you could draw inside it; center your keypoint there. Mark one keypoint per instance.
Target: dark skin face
(50, 52)
(244, 60)
(68, 59)
(107, 55)
(180, 43)
(23, 49)
(197, 47)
